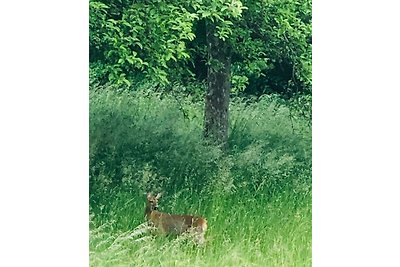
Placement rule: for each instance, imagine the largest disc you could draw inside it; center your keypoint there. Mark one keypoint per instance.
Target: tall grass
(243, 231)
(256, 196)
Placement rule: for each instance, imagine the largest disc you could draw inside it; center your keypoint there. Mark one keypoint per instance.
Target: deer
(172, 224)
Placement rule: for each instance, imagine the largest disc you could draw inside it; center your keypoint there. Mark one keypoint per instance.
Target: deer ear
(158, 196)
(148, 195)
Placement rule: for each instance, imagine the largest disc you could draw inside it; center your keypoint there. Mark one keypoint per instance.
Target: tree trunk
(218, 89)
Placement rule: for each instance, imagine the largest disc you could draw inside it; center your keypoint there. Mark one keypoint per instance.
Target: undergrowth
(256, 196)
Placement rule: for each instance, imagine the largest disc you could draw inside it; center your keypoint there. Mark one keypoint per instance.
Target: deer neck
(148, 211)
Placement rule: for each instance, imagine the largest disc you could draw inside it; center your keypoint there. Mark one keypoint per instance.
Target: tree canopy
(165, 42)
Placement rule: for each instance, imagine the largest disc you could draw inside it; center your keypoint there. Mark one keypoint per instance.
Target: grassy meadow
(256, 196)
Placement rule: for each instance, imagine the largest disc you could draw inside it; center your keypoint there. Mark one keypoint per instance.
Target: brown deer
(174, 224)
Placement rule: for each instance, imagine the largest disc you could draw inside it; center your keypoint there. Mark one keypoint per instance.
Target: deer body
(174, 224)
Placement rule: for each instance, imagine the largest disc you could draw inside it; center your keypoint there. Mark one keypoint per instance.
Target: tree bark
(216, 115)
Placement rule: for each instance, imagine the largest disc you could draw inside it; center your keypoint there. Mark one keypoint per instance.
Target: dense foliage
(164, 41)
